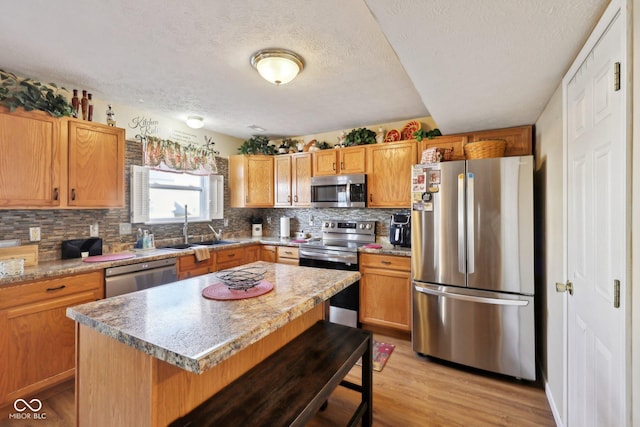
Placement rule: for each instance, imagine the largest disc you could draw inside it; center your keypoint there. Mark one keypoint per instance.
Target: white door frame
(615, 7)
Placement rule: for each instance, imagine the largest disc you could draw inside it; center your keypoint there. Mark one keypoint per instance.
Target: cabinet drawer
(41, 290)
(228, 258)
(391, 262)
(288, 252)
(188, 262)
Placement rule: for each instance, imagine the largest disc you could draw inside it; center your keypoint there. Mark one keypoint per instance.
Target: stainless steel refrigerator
(472, 263)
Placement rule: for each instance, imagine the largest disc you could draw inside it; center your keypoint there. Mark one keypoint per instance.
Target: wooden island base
(119, 385)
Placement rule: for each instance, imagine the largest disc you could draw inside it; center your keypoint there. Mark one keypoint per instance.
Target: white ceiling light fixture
(195, 122)
(277, 66)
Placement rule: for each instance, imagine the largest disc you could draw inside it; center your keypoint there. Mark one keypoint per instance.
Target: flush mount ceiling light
(278, 66)
(195, 122)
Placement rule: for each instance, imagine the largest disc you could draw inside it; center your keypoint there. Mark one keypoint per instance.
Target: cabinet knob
(386, 262)
(371, 197)
(295, 198)
(73, 194)
(58, 288)
(55, 193)
(289, 198)
(341, 165)
(333, 165)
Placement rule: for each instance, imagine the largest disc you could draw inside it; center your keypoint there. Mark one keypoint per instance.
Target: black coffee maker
(400, 230)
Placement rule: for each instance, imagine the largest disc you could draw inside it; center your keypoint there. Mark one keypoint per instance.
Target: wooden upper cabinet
(325, 162)
(301, 171)
(30, 160)
(48, 162)
(251, 181)
(519, 139)
(339, 161)
(454, 142)
(292, 174)
(96, 165)
(389, 174)
(352, 159)
(282, 177)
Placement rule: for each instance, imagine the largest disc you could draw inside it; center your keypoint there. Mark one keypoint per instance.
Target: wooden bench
(290, 386)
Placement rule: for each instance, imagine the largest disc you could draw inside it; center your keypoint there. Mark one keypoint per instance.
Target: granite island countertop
(176, 324)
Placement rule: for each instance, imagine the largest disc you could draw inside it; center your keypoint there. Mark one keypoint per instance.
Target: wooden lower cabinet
(228, 258)
(268, 253)
(36, 337)
(288, 255)
(385, 291)
(188, 266)
(251, 253)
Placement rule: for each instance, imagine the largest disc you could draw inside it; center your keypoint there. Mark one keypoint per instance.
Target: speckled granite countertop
(176, 324)
(49, 269)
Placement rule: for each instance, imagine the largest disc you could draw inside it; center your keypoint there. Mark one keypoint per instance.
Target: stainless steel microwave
(339, 191)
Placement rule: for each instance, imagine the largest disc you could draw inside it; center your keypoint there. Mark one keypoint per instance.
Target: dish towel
(201, 254)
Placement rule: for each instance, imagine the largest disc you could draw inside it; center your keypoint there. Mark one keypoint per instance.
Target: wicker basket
(485, 149)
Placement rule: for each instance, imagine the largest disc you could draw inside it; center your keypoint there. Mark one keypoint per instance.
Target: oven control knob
(368, 226)
(361, 226)
(333, 225)
(326, 225)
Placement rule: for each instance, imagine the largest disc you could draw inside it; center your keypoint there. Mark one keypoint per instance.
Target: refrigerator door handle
(484, 300)
(470, 225)
(461, 237)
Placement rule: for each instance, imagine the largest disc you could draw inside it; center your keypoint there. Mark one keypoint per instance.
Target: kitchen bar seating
(291, 385)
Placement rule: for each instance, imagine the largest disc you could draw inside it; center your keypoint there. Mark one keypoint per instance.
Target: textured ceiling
(473, 67)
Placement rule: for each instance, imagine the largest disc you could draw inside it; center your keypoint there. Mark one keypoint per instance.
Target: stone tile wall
(59, 225)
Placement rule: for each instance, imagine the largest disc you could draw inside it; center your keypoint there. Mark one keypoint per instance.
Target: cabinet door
(259, 181)
(389, 174)
(96, 165)
(448, 142)
(282, 172)
(352, 160)
(37, 338)
(519, 139)
(325, 162)
(188, 266)
(251, 254)
(385, 298)
(268, 253)
(301, 179)
(30, 160)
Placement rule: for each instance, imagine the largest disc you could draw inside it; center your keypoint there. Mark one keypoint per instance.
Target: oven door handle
(326, 257)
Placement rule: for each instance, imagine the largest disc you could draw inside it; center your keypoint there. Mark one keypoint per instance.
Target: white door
(597, 235)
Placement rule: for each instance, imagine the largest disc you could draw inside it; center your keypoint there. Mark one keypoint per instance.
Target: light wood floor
(410, 391)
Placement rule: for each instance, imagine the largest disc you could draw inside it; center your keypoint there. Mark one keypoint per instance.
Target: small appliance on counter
(74, 248)
(400, 230)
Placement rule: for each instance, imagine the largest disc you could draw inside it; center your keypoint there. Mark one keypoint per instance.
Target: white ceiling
(470, 64)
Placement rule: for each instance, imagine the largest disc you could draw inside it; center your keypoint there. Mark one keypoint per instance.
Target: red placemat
(372, 246)
(220, 291)
(111, 257)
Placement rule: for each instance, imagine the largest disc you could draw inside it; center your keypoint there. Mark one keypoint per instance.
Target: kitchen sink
(204, 243)
(215, 242)
(179, 246)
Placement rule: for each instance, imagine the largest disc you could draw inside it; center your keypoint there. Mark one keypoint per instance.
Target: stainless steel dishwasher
(136, 277)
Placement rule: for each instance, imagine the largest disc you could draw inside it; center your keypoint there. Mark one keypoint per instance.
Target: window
(160, 197)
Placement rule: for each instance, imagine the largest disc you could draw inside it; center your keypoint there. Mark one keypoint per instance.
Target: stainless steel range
(338, 250)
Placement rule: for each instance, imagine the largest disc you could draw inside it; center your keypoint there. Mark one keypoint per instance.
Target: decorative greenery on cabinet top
(32, 95)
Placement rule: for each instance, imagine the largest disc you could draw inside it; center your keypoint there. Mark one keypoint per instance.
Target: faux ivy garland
(32, 95)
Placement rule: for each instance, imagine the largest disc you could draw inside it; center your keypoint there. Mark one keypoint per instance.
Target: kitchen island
(149, 357)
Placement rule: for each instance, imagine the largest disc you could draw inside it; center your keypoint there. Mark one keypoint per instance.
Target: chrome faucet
(217, 235)
(185, 227)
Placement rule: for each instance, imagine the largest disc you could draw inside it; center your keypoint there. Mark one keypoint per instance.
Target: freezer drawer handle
(484, 300)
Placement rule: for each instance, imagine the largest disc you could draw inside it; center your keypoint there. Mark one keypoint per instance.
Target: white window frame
(140, 198)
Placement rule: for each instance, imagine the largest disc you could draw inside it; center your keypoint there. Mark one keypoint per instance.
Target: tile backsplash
(58, 225)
